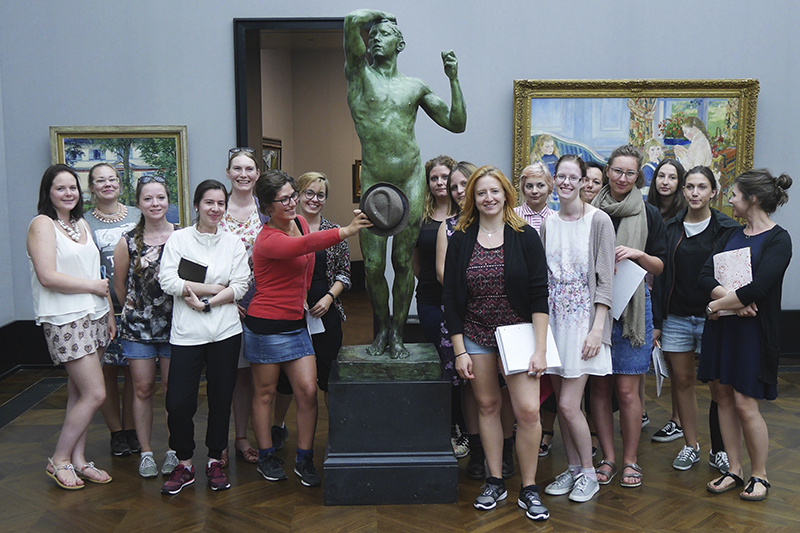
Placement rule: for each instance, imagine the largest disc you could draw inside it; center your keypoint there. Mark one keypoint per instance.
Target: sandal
(54, 474)
(250, 455)
(544, 449)
(223, 459)
(90, 464)
(637, 475)
(716, 487)
(609, 475)
(747, 493)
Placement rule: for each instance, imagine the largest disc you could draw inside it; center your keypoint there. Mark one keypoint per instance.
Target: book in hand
(192, 271)
(733, 270)
(516, 344)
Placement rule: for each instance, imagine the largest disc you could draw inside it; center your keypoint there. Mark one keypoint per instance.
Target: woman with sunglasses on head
(679, 309)
(740, 351)
(496, 275)
(276, 335)
(330, 279)
(243, 220)
(579, 243)
(206, 330)
(72, 304)
(146, 311)
(108, 221)
(639, 238)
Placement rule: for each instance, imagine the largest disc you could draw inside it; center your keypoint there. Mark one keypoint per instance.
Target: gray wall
(116, 62)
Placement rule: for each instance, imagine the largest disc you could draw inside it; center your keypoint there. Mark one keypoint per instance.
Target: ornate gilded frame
(84, 146)
(745, 91)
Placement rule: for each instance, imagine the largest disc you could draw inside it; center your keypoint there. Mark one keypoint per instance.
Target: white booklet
(314, 324)
(733, 270)
(516, 344)
(626, 280)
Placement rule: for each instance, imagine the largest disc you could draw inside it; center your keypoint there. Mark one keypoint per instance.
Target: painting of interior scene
(695, 131)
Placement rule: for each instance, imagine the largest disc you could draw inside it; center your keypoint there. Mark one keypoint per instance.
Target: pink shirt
(533, 218)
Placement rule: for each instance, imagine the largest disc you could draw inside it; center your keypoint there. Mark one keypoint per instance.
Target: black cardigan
(525, 274)
(764, 290)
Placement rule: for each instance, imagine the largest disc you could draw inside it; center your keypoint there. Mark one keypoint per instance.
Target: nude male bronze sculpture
(383, 103)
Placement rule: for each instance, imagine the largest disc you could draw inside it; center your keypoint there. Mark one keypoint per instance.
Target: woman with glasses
(276, 335)
(72, 304)
(330, 279)
(640, 238)
(496, 275)
(579, 243)
(146, 311)
(108, 221)
(243, 220)
(205, 270)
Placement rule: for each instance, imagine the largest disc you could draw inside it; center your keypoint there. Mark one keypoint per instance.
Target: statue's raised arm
(455, 118)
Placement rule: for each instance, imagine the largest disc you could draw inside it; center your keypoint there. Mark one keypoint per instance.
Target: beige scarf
(632, 233)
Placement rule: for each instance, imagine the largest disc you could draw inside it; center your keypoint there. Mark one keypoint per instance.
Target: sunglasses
(149, 179)
(233, 151)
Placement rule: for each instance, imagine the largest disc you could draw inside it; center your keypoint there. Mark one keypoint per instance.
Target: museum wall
(277, 102)
(117, 62)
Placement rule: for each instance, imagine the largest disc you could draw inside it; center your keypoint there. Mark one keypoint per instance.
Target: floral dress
(247, 231)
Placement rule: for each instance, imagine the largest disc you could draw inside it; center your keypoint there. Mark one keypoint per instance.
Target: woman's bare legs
(683, 378)
(603, 415)
(487, 395)
(302, 374)
(143, 374)
(630, 417)
(524, 392)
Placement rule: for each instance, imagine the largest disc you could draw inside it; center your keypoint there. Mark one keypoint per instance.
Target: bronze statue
(384, 103)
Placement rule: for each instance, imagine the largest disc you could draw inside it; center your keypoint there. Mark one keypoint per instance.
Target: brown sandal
(223, 459)
(250, 455)
(609, 475)
(637, 475)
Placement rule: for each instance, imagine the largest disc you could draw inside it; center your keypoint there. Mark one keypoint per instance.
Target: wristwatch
(207, 308)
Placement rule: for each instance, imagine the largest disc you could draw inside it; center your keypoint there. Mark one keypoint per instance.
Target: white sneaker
(562, 485)
(147, 466)
(585, 488)
(170, 462)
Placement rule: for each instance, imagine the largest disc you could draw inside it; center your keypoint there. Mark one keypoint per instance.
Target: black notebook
(192, 271)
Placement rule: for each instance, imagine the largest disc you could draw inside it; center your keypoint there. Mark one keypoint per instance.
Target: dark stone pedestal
(389, 440)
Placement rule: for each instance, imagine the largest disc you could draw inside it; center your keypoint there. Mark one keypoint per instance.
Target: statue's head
(385, 39)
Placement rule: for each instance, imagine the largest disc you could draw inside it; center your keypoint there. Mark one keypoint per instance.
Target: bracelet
(460, 354)
(329, 293)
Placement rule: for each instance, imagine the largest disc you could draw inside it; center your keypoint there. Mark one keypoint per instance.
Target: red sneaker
(216, 477)
(180, 477)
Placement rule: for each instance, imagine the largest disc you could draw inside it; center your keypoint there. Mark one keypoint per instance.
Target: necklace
(122, 212)
(74, 232)
(490, 233)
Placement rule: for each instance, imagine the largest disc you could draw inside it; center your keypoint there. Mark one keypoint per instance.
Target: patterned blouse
(147, 311)
(247, 231)
(487, 305)
(337, 264)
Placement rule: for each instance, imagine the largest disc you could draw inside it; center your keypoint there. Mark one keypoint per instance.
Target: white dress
(570, 301)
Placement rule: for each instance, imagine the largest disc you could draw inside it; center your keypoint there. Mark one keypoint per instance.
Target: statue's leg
(403, 288)
(373, 249)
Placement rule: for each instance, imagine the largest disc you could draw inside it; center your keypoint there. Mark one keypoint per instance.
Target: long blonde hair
(469, 213)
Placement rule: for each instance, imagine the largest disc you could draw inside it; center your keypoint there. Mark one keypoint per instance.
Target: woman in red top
(275, 326)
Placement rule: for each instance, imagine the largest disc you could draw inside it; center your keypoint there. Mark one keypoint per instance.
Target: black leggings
(186, 365)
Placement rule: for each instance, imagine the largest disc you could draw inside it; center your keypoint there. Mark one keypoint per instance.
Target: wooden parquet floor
(669, 500)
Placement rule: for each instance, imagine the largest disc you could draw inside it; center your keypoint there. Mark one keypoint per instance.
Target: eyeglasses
(561, 178)
(233, 151)
(150, 179)
(103, 181)
(618, 173)
(286, 200)
(309, 194)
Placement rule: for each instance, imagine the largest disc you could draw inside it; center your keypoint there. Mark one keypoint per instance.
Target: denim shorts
(144, 350)
(278, 347)
(473, 347)
(627, 359)
(682, 333)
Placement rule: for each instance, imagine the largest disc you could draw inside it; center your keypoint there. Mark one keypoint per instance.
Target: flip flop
(747, 493)
(609, 475)
(715, 487)
(90, 464)
(54, 475)
(637, 475)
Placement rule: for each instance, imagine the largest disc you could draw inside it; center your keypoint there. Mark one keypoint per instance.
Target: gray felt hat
(387, 207)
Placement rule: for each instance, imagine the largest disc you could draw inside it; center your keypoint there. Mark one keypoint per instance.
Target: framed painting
(135, 152)
(271, 154)
(357, 181)
(698, 122)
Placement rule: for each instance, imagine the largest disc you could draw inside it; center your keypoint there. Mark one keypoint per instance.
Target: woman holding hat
(276, 335)
(495, 275)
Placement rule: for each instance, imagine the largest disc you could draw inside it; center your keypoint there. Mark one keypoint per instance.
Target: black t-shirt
(690, 256)
(429, 290)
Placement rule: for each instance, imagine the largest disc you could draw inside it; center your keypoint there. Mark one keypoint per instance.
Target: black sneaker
(476, 466)
(279, 436)
(119, 444)
(491, 493)
(133, 440)
(270, 467)
(530, 500)
(307, 473)
(671, 431)
(508, 459)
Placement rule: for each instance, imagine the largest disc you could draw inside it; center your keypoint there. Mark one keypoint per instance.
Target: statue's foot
(396, 348)
(379, 345)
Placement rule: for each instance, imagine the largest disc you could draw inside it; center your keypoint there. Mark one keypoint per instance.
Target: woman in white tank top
(72, 304)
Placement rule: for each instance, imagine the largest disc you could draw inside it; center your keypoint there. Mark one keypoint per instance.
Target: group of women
(188, 301)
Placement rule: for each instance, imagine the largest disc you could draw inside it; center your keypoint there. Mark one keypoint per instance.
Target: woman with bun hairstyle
(740, 351)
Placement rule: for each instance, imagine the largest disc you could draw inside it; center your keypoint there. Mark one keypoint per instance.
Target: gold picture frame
(592, 117)
(135, 151)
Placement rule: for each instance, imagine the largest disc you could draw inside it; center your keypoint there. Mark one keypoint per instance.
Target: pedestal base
(389, 441)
